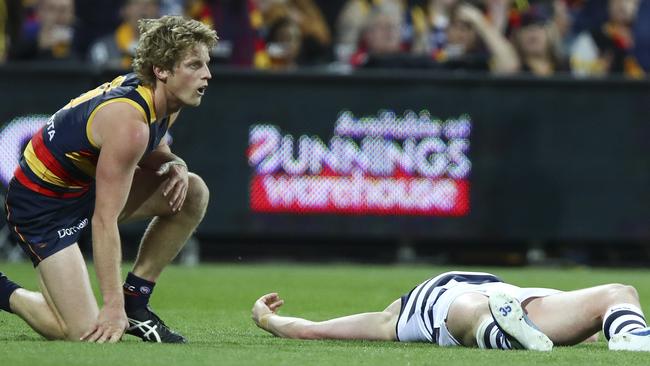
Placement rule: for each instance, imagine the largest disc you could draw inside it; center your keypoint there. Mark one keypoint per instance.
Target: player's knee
(74, 332)
(75, 328)
(66, 333)
(198, 196)
(469, 305)
(54, 332)
(617, 293)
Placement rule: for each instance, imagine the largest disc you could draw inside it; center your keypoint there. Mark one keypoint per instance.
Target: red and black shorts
(44, 225)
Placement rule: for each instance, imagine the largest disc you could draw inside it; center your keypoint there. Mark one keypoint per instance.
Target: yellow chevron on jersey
(39, 168)
(83, 161)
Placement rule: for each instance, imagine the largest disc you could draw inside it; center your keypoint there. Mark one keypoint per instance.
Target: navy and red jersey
(61, 158)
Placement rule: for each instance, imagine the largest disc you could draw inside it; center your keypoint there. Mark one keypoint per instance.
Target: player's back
(61, 158)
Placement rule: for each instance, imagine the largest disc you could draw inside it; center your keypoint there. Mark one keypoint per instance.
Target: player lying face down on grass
(475, 309)
(101, 160)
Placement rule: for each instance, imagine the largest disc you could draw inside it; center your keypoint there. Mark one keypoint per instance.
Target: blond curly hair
(164, 42)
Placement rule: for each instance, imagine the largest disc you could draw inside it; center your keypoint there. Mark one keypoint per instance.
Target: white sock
(622, 318)
(488, 335)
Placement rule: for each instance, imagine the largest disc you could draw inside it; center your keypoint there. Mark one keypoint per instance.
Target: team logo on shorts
(145, 290)
(72, 230)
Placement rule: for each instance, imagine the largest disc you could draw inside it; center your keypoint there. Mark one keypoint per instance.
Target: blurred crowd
(544, 37)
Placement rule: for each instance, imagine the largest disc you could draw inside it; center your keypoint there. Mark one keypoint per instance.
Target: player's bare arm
(162, 154)
(378, 326)
(173, 168)
(123, 141)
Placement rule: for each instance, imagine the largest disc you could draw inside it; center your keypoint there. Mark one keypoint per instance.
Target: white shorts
(424, 310)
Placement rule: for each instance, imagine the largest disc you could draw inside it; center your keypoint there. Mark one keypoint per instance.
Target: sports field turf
(211, 304)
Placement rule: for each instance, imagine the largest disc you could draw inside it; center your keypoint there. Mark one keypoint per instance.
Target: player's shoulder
(120, 109)
(130, 80)
(120, 86)
(123, 97)
(126, 80)
(129, 89)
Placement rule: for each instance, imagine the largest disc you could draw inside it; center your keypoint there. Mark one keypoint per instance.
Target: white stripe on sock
(614, 314)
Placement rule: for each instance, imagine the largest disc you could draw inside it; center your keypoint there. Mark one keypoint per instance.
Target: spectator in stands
(381, 35)
(609, 47)
(563, 13)
(49, 35)
(533, 39)
(475, 44)
(498, 12)
(11, 18)
(316, 37)
(240, 24)
(430, 24)
(283, 44)
(349, 22)
(244, 27)
(118, 49)
(380, 42)
(350, 25)
(200, 10)
(3, 31)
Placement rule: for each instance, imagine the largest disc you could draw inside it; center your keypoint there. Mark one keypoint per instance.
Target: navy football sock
(136, 292)
(7, 287)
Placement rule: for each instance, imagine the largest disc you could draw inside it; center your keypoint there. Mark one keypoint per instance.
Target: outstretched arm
(504, 57)
(369, 326)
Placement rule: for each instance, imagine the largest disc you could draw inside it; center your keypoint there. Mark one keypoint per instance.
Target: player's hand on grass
(175, 186)
(110, 326)
(264, 307)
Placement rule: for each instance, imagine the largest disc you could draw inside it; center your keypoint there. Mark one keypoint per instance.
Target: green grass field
(210, 304)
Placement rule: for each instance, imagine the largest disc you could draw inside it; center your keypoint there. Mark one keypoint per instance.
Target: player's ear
(160, 73)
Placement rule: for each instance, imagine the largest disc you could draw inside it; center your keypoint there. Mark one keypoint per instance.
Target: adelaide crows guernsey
(61, 158)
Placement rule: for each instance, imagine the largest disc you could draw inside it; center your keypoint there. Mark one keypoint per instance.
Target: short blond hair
(164, 41)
